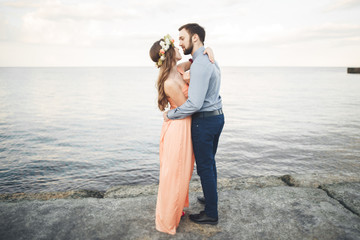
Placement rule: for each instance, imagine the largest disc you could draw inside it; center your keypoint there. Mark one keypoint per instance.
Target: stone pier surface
(273, 207)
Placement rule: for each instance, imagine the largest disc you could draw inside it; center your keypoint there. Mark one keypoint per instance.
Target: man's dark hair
(194, 28)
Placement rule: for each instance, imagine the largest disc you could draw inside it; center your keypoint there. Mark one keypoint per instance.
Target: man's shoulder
(201, 62)
(203, 58)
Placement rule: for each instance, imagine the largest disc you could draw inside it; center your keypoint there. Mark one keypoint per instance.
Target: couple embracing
(191, 127)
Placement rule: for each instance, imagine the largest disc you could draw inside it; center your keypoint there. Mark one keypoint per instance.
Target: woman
(176, 151)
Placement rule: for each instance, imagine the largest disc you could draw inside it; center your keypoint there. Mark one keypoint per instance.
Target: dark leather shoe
(201, 200)
(202, 218)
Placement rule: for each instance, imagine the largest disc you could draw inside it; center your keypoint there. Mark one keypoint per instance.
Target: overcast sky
(120, 32)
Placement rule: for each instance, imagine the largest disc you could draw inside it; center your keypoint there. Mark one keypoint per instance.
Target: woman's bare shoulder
(170, 85)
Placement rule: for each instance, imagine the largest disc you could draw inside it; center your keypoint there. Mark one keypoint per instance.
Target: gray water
(93, 128)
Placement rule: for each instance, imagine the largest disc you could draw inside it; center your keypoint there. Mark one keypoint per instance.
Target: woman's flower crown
(165, 45)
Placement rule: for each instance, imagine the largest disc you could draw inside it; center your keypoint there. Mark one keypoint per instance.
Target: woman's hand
(165, 116)
(186, 77)
(210, 54)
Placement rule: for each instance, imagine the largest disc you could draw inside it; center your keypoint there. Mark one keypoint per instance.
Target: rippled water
(92, 128)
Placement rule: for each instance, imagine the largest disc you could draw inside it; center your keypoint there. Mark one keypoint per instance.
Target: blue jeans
(205, 134)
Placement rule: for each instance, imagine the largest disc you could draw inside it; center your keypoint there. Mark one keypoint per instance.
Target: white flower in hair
(165, 45)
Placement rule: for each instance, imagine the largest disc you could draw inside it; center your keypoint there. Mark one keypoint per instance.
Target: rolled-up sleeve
(199, 81)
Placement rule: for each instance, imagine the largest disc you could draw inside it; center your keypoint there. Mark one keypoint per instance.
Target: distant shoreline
(353, 70)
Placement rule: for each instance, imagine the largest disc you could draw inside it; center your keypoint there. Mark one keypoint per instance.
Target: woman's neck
(173, 68)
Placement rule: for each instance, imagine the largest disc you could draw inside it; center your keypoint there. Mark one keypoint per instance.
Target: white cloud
(343, 4)
(278, 35)
(100, 23)
(326, 32)
(4, 26)
(22, 4)
(83, 11)
(43, 31)
(97, 24)
(250, 36)
(8, 31)
(124, 30)
(76, 24)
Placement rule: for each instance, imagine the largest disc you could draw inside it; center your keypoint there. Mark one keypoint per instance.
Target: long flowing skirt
(176, 167)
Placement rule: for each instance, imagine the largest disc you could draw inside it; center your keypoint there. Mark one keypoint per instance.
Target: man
(205, 105)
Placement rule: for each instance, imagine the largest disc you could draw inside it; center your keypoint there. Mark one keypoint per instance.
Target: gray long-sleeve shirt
(204, 89)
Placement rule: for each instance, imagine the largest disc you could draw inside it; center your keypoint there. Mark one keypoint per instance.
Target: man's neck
(195, 48)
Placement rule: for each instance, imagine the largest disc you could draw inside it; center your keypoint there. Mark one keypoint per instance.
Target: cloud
(332, 31)
(277, 35)
(22, 4)
(129, 27)
(8, 31)
(57, 10)
(4, 26)
(325, 32)
(343, 4)
(262, 34)
(101, 24)
(57, 23)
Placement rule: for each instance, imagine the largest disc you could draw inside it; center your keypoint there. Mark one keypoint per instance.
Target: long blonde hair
(164, 72)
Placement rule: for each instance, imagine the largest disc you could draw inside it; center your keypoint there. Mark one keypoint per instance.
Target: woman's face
(177, 54)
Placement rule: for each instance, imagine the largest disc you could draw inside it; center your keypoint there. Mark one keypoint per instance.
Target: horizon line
(98, 66)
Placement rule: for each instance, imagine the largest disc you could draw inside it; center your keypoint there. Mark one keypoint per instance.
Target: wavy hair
(164, 72)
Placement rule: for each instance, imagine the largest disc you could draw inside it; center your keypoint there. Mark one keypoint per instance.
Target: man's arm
(186, 65)
(200, 76)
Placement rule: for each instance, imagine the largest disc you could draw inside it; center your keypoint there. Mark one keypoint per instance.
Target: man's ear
(195, 37)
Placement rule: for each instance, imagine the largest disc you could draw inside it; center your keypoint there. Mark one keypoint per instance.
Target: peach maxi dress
(176, 167)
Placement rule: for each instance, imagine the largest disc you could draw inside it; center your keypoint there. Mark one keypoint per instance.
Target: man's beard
(188, 50)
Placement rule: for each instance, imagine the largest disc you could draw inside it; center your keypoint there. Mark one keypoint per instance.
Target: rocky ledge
(316, 206)
(129, 191)
(75, 194)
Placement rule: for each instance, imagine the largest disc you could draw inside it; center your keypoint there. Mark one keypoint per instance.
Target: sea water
(93, 128)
